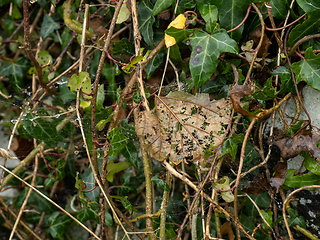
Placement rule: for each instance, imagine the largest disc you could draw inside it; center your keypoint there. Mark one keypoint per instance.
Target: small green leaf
(58, 225)
(301, 181)
(113, 168)
(279, 8)
(224, 187)
(108, 219)
(161, 5)
(123, 47)
(179, 34)
(308, 69)
(89, 212)
(295, 220)
(48, 26)
(286, 82)
(268, 217)
(131, 66)
(294, 128)
(130, 153)
(267, 92)
(210, 14)
(146, 21)
(41, 129)
(206, 50)
(229, 147)
(160, 182)
(155, 63)
(137, 97)
(310, 164)
(15, 72)
(117, 142)
(214, 85)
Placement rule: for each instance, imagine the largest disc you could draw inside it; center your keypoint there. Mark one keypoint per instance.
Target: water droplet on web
(84, 145)
(57, 115)
(13, 121)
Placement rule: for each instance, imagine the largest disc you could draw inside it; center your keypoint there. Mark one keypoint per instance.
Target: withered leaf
(290, 147)
(182, 126)
(280, 173)
(226, 228)
(258, 185)
(237, 92)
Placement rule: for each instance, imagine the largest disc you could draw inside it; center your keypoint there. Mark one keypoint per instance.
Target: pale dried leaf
(183, 126)
(5, 153)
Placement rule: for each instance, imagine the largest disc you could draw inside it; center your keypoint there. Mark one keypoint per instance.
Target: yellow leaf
(179, 23)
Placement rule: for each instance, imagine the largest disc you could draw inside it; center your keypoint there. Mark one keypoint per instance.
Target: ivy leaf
(113, 168)
(268, 217)
(279, 8)
(206, 50)
(179, 34)
(160, 182)
(231, 13)
(146, 21)
(117, 142)
(130, 153)
(300, 181)
(15, 72)
(210, 14)
(310, 163)
(41, 129)
(58, 225)
(294, 128)
(161, 5)
(224, 186)
(155, 63)
(308, 27)
(308, 69)
(266, 93)
(286, 82)
(48, 26)
(295, 220)
(89, 212)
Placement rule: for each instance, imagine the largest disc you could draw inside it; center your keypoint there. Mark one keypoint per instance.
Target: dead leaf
(182, 126)
(226, 228)
(258, 185)
(291, 146)
(266, 43)
(279, 176)
(236, 92)
(224, 189)
(5, 153)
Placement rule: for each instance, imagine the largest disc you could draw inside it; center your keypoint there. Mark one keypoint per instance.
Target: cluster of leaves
(213, 46)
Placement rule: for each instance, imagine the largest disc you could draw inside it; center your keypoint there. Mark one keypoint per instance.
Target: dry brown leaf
(237, 92)
(290, 147)
(226, 228)
(280, 174)
(5, 153)
(183, 126)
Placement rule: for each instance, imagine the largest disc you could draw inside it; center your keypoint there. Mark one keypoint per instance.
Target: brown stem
(27, 46)
(304, 39)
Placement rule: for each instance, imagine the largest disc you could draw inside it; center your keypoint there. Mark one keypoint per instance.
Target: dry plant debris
(183, 126)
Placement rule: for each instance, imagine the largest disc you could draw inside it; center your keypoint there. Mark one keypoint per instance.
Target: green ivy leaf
(48, 26)
(117, 142)
(300, 181)
(279, 8)
(155, 63)
(210, 14)
(206, 50)
(89, 212)
(108, 219)
(214, 85)
(231, 13)
(295, 220)
(286, 80)
(229, 147)
(268, 217)
(224, 186)
(310, 163)
(15, 72)
(58, 225)
(179, 34)
(114, 168)
(146, 21)
(160, 182)
(130, 153)
(41, 129)
(308, 69)
(266, 93)
(161, 5)
(294, 128)
(42, 204)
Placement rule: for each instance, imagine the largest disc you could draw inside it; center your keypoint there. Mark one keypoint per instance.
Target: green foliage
(207, 58)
